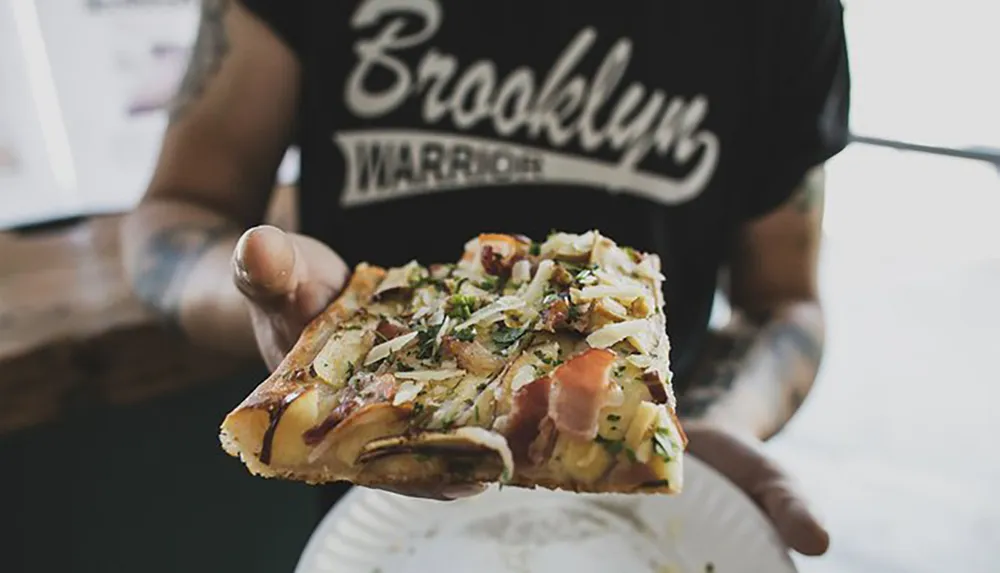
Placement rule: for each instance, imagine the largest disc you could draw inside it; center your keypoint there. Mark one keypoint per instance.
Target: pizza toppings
(639, 333)
(530, 409)
(399, 278)
(386, 348)
(579, 391)
(471, 355)
(551, 355)
(336, 362)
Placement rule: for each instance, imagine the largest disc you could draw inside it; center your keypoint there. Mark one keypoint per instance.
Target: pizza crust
(243, 430)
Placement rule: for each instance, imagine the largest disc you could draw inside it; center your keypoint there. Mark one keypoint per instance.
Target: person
(696, 130)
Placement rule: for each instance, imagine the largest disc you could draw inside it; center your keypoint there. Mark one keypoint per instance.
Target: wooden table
(72, 337)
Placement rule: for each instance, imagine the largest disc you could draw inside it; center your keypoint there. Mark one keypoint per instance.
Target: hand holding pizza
(287, 279)
(743, 462)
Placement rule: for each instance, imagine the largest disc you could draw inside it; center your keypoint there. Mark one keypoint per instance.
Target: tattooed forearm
(209, 51)
(165, 262)
(756, 375)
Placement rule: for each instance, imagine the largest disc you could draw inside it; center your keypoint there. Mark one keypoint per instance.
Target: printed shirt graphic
(664, 125)
(641, 120)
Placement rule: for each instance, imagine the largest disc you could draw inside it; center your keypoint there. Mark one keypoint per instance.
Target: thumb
(287, 273)
(287, 279)
(264, 265)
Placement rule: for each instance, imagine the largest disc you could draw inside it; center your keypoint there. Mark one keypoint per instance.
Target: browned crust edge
(272, 392)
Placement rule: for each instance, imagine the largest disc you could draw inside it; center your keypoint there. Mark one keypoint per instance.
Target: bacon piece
(654, 383)
(471, 356)
(540, 450)
(498, 252)
(530, 408)
(555, 315)
(389, 329)
(579, 390)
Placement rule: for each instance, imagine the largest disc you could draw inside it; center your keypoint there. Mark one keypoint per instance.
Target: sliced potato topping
(341, 354)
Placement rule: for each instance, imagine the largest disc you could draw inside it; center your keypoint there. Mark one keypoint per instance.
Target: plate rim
(326, 525)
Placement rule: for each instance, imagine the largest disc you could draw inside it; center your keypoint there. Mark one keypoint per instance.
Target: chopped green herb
(614, 417)
(491, 284)
(630, 453)
(545, 359)
(418, 408)
(419, 281)
(461, 306)
(536, 249)
(573, 313)
(505, 336)
(586, 277)
(612, 446)
(549, 298)
(475, 413)
(466, 334)
(481, 387)
(425, 341)
(350, 369)
(662, 445)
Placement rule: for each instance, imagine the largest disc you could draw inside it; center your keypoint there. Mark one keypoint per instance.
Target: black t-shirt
(662, 123)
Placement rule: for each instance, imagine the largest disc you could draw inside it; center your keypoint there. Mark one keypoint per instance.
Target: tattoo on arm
(714, 373)
(167, 259)
(789, 346)
(209, 51)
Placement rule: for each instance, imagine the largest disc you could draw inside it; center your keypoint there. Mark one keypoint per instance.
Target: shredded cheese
(493, 310)
(430, 375)
(638, 333)
(398, 277)
(620, 293)
(536, 289)
(493, 441)
(521, 271)
(407, 392)
(383, 350)
(524, 376)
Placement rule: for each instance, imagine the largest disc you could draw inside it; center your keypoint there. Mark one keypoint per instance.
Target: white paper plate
(539, 531)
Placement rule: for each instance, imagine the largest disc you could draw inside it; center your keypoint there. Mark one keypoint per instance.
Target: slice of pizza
(524, 363)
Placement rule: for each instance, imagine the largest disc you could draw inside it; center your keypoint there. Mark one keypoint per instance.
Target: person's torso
(425, 123)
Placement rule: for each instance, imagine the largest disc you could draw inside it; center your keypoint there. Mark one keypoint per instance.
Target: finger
(797, 525)
(321, 275)
(746, 465)
(264, 264)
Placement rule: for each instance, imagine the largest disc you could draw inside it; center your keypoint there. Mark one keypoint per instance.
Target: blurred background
(108, 452)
